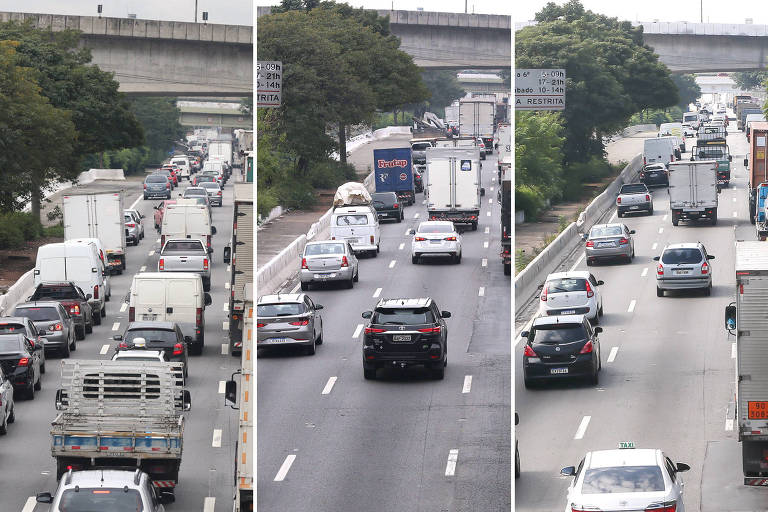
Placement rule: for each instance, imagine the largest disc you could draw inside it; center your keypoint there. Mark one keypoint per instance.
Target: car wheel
(708, 291)
(145, 197)
(438, 373)
(104, 312)
(311, 349)
(42, 368)
(369, 373)
(415, 259)
(30, 392)
(96, 319)
(619, 213)
(590, 262)
(600, 311)
(304, 286)
(528, 383)
(650, 212)
(399, 219)
(4, 426)
(659, 292)
(12, 416)
(80, 333)
(88, 328)
(457, 258)
(357, 276)
(517, 463)
(675, 220)
(351, 282)
(595, 378)
(65, 352)
(319, 340)
(39, 383)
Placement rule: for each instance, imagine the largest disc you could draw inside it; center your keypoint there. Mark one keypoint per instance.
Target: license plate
(605, 244)
(757, 410)
(682, 272)
(568, 312)
(352, 240)
(401, 337)
(558, 370)
(148, 317)
(278, 340)
(634, 207)
(435, 241)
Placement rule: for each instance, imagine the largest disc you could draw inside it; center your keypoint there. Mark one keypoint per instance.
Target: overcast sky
(479, 6)
(236, 12)
(715, 11)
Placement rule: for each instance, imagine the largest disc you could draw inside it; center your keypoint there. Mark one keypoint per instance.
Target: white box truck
(693, 190)
(476, 119)
(98, 215)
(746, 318)
(240, 257)
(220, 150)
(504, 136)
(453, 185)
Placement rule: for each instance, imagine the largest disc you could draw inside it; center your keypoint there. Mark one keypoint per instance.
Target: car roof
(36, 304)
(584, 274)
(160, 326)
(682, 245)
(422, 302)
(624, 457)
(559, 319)
(436, 222)
(101, 478)
(281, 298)
(609, 225)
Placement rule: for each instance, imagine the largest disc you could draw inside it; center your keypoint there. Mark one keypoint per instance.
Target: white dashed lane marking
(664, 217)
(328, 386)
(143, 268)
(226, 285)
(225, 325)
(654, 246)
(216, 442)
(392, 263)
(400, 247)
(485, 245)
(283, 471)
(453, 458)
(209, 504)
(733, 351)
(645, 272)
(661, 230)
(115, 326)
(481, 292)
(487, 230)
(358, 330)
(133, 205)
(729, 424)
(631, 307)
(416, 216)
(123, 307)
(735, 214)
(467, 384)
(224, 349)
(612, 355)
(377, 293)
(30, 504)
(225, 306)
(582, 427)
(484, 262)
(104, 349)
(222, 386)
(488, 214)
(151, 253)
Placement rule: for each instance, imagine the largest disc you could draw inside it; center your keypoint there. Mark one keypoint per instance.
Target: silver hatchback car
(682, 267)
(289, 319)
(609, 241)
(328, 261)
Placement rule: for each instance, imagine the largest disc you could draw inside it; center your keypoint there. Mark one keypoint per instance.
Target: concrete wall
(17, 293)
(162, 57)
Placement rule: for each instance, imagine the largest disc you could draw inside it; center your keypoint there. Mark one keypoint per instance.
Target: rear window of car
(384, 198)
(151, 335)
(435, 228)
(37, 314)
(351, 220)
(55, 292)
(184, 246)
(560, 333)
(564, 285)
(623, 479)
(12, 328)
(211, 185)
(203, 179)
(283, 309)
(10, 344)
(633, 189)
(676, 256)
(420, 146)
(128, 218)
(103, 498)
(156, 178)
(403, 316)
(605, 231)
(194, 192)
(318, 249)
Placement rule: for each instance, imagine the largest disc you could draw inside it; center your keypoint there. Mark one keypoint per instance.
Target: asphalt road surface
(329, 441)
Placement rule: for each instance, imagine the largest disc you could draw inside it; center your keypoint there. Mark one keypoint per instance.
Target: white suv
(436, 237)
(571, 293)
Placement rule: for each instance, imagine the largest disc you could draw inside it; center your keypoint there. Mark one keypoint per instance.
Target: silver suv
(106, 489)
(682, 267)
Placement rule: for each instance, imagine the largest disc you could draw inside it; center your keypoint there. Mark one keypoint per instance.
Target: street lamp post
(195, 11)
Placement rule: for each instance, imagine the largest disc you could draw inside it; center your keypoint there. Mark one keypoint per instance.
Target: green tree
(443, 87)
(749, 80)
(37, 140)
(687, 89)
(538, 159)
(159, 118)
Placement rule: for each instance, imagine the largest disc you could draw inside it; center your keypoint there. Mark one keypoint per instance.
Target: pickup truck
(634, 197)
(186, 255)
(74, 301)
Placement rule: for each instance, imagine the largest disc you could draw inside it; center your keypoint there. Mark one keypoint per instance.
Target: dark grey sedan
(53, 322)
(289, 319)
(609, 241)
(157, 185)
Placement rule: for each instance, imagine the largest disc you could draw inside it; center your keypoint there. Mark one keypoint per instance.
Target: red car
(174, 173)
(160, 210)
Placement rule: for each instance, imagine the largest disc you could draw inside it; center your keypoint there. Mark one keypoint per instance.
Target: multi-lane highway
(210, 432)
(668, 367)
(328, 440)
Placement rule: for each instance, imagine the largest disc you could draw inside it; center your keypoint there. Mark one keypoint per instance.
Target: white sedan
(572, 293)
(626, 479)
(436, 237)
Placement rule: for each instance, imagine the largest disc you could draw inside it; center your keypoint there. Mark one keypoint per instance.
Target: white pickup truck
(186, 255)
(634, 197)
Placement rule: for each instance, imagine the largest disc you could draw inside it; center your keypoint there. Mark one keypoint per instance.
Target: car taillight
(544, 294)
(660, 269)
(618, 200)
(642, 175)
(450, 239)
(145, 186)
(590, 243)
(96, 292)
(647, 197)
(395, 205)
(167, 184)
(430, 330)
(590, 293)
(161, 264)
(623, 241)
(178, 349)
(587, 348)
(705, 268)
(344, 262)
(528, 352)
(199, 317)
(219, 193)
(260, 325)
(643, 160)
(299, 322)
(131, 225)
(24, 361)
(205, 263)
(371, 238)
(372, 330)
(665, 507)
(304, 263)
(420, 239)
(208, 240)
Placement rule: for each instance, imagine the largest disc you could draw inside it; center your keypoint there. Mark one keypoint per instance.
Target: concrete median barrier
(17, 293)
(280, 267)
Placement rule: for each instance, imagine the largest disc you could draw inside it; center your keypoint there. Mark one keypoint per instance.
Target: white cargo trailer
(97, 215)
(693, 190)
(476, 119)
(453, 185)
(220, 150)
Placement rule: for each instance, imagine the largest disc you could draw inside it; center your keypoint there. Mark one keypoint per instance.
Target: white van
(660, 150)
(675, 129)
(358, 225)
(187, 221)
(177, 297)
(102, 256)
(78, 263)
(692, 118)
(183, 162)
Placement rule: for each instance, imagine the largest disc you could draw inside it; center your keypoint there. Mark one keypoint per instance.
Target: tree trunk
(394, 116)
(35, 204)
(342, 143)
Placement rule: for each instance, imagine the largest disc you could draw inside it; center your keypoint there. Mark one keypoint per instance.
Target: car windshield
(435, 228)
(150, 335)
(38, 314)
(103, 498)
(55, 292)
(157, 178)
(351, 220)
(10, 344)
(210, 185)
(635, 188)
(194, 192)
(559, 333)
(623, 479)
(564, 285)
(599, 231)
(676, 256)
(184, 246)
(403, 316)
(12, 328)
(282, 309)
(318, 249)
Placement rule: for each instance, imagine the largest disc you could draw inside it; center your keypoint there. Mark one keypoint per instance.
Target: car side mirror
(207, 299)
(600, 283)
(44, 497)
(525, 334)
(117, 337)
(230, 392)
(186, 400)
(156, 207)
(730, 158)
(210, 250)
(517, 419)
(227, 254)
(710, 257)
(166, 497)
(730, 317)
(88, 296)
(318, 306)
(367, 314)
(746, 162)
(656, 258)
(569, 471)
(631, 231)
(213, 230)
(681, 467)
(42, 332)
(445, 314)
(598, 330)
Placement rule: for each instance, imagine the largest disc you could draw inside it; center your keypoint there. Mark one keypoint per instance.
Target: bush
(530, 200)
(331, 174)
(295, 194)
(265, 201)
(56, 231)
(18, 227)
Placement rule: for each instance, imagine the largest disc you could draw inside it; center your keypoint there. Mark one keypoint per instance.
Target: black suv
(164, 336)
(560, 347)
(388, 205)
(405, 332)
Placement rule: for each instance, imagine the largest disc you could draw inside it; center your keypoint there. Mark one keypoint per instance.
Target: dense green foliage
(687, 89)
(658, 116)
(748, 80)
(538, 160)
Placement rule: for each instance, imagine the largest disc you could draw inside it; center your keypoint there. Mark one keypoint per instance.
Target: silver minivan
(682, 267)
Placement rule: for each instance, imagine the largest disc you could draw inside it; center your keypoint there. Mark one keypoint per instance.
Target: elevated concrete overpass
(226, 116)
(162, 58)
(442, 40)
(704, 47)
